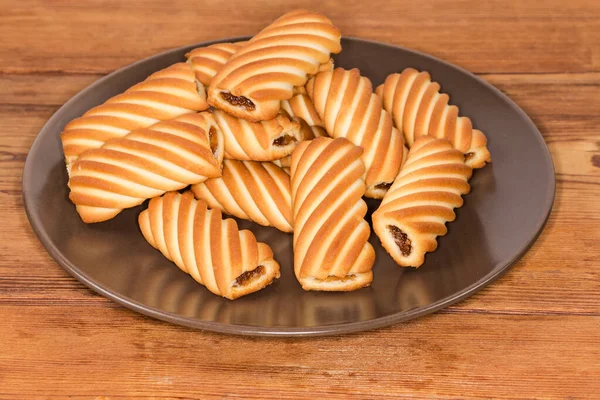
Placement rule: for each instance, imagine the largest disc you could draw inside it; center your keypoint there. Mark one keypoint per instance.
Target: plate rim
(251, 330)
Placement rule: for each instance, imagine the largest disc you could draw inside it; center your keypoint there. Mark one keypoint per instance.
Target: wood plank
(52, 90)
(553, 36)
(124, 354)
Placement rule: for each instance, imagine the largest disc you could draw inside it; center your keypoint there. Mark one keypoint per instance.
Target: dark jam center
(249, 275)
(238, 101)
(284, 140)
(469, 155)
(213, 140)
(383, 185)
(401, 239)
(332, 278)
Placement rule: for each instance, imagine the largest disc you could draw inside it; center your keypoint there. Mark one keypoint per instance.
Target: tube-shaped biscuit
(306, 133)
(301, 106)
(251, 190)
(146, 163)
(265, 71)
(207, 61)
(229, 262)
(415, 210)
(348, 107)
(331, 248)
(164, 95)
(418, 108)
(258, 141)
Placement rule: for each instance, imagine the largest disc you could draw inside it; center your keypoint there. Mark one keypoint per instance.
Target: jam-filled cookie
(208, 60)
(251, 190)
(146, 163)
(418, 108)
(164, 95)
(300, 106)
(265, 70)
(422, 199)
(257, 141)
(331, 248)
(227, 261)
(345, 102)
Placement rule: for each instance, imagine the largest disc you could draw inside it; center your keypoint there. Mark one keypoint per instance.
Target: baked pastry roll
(164, 95)
(306, 133)
(415, 210)
(348, 108)
(258, 141)
(418, 108)
(331, 248)
(146, 163)
(284, 164)
(207, 61)
(227, 261)
(300, 106)
(265, 71)
(259, 192)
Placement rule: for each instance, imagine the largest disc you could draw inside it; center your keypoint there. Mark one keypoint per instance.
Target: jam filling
(238, 101)
(383, 185)
(247, 276)
(212, 139)
(332, 278)
(284, 140)
(401, 239)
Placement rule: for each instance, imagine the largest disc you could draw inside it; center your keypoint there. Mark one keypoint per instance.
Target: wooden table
(533, 333)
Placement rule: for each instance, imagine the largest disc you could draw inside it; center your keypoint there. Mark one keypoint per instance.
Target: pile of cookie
(267, 130)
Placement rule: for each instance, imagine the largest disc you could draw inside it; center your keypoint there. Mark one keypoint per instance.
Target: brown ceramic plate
(509, 203)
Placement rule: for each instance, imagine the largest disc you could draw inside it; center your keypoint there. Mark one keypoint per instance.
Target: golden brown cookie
(306, 131)
(259, 192)
(346, 104)
(258, 141)
(331, 248)
(146, 163)
(284, 164)
(415, 210)
(300, 106)
(207, 61)
(227, 261)
(265, 71)
(418, 108)
(164, 95)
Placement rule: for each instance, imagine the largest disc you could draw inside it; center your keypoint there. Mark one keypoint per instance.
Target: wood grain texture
(533, 333)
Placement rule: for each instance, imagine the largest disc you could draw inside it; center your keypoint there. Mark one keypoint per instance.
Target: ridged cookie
(348, 108)
(331, 248)
(306, 132)
(418, 108)
(415, 210)
(259, 192)
(227, 261)
(207, 61)
(258, 141)
(146, 163)
(164, 95)
(265, 71)
(301, 106)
